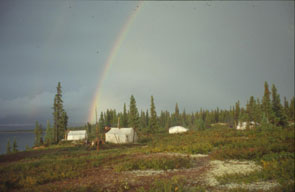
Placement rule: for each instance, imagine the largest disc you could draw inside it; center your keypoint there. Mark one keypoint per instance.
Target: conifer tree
(216, 115)
(49, 138)
(124, 117)
(101, 123)
(14, 146)
(147, 118)
(266, 105)
(88, 128)
(286, 107)
(8, 147)
(142, 120)
(114, 118)
(200, 124)
(108, 118)
(64, 125)
(258, 111)
(37, 134)
(153, 124)
(55, 121)
(184, 119)
(292, 109)
(279, 117)
(59, 116)
(237, 113)
(250, 108)
(133, 119)
(41, 135)
(176, 119)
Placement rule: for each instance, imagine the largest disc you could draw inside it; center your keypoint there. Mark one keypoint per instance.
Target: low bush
(156, 163)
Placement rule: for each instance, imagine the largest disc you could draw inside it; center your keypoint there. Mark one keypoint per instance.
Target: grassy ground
(159, 163)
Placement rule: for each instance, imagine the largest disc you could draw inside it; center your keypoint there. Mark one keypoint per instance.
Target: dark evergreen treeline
(268, 110)
(14, 147)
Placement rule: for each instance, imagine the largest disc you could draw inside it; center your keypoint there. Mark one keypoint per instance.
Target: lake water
(23, 139)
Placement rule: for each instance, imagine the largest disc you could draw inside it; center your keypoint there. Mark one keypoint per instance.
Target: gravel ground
(220, 168)
(257, 186)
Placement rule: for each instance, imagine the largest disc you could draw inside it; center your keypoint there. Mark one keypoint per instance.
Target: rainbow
(116, 47)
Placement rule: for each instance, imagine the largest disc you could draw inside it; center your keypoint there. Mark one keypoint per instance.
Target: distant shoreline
(17, 131)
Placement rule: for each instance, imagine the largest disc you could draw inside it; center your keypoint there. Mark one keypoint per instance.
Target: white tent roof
(80, 132)
(177, 129)
(121, 135)
(120, 131)
(77, 135)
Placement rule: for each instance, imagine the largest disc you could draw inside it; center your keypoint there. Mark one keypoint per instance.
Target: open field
(218, 159)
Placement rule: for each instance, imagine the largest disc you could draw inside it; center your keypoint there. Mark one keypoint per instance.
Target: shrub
(157, 163)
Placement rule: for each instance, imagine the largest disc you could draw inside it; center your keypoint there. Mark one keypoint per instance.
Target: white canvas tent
(177, 129)
(77, 135)
(243, 125)
(121, 135)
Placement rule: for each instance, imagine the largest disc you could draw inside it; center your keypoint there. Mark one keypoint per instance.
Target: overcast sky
(199, 54)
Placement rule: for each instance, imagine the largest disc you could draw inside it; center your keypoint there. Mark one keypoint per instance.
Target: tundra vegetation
(260, 158)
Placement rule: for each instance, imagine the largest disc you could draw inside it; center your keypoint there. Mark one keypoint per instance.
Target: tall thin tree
(266, 105)
(133, 114)
(59, 116)
(279, 117)
(153, 120)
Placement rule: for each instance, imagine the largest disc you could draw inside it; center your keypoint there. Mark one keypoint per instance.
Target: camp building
(121, 135)
(77, 135)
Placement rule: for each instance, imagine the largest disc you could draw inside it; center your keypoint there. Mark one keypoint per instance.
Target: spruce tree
(279, 117)
(124, 117)
(108, 118)
(133, 120)
(292, 109)
(184, 121)
(41, 135)
(37, 134)
(55, 121)
(8, 147)
(14, 146)
(89, 130)
(286, 107)
(176, 119)
(258, 111)
(199, 124)
(266, 105)
(250, 108)
(153, 124)
(60, 118)
(142, 121)
(237, 113)
(147, 118)
(101, 123)
(64, 123)
(49, 137)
